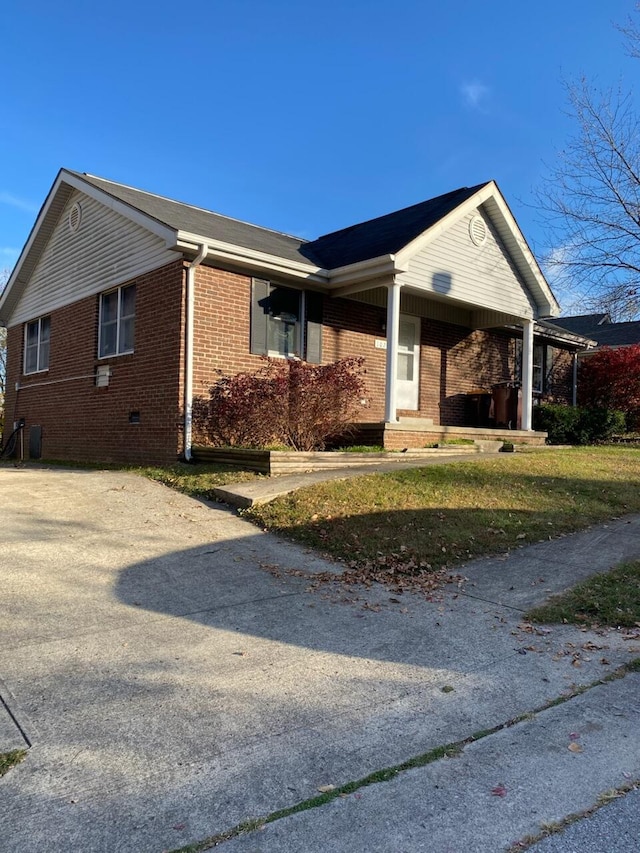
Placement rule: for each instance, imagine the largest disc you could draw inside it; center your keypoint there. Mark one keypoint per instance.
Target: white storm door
(408, 377)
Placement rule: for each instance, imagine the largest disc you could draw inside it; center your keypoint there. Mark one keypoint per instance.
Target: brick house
(124, 306)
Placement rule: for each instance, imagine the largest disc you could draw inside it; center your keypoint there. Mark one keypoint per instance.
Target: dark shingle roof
(582, 324)
(204, 223)
(385, 235)
(617, 334)
(599, 328)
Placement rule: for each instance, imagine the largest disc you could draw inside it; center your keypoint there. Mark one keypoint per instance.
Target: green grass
(197, 480)
(10, 759)
(609, 600)
(440, 516)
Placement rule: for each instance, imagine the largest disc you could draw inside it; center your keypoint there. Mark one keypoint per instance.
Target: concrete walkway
(173, 681)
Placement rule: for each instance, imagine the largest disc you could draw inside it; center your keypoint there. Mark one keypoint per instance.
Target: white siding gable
(453, 267)
(105, 251)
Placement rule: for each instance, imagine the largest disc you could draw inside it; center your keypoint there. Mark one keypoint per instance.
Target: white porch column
(393, 323)
(527, 373)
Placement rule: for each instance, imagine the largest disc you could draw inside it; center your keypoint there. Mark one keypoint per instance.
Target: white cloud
(19, 203)
(475, 94)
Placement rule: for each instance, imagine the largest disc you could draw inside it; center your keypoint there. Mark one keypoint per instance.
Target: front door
(408, 378)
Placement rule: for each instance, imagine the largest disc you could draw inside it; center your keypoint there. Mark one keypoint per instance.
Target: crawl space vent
(478, 231)
(75, 217)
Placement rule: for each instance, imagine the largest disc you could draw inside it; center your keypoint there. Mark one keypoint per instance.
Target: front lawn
(608, 600)
(439, 516)
(197, 480)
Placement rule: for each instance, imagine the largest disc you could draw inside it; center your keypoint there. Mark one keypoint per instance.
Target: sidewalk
(510, 783)
(175, 681)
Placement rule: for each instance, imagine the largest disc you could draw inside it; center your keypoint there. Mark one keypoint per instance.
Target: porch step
(413, 423)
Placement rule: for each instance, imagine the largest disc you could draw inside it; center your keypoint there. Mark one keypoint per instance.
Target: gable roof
(385, 235)
(185, 217)
(377, 247)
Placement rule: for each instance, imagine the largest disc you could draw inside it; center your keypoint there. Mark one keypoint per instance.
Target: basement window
(36, 345)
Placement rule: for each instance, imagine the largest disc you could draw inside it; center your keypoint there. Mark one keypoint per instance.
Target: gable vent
(478, 231)
(75, 217)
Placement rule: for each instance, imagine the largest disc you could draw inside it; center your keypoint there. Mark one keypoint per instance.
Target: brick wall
(82, 422)
(454, 360)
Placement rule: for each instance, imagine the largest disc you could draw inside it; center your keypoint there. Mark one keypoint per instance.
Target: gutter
(188, 358)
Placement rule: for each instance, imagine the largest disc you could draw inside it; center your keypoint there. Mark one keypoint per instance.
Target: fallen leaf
(324, 789)
(179, 825)
(499, 791)
(574, 735)
(575, 747)
(448, 689)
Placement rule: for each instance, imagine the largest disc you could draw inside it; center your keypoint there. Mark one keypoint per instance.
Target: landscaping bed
(274, 462)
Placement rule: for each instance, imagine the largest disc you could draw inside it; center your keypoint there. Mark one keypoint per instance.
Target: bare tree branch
(591, 198)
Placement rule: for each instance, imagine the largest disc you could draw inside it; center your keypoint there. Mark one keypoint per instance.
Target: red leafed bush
(291, 403)
(610, 379)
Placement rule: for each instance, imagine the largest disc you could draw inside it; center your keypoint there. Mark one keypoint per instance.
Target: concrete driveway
(171, 687)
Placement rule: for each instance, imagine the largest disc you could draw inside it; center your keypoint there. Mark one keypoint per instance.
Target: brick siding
(84, 423)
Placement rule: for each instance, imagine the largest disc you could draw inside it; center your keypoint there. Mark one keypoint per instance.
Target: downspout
(188, 359)
(574, 390)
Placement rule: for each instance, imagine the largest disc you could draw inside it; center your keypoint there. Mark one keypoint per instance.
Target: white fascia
(527, 265)
(241, 256)
(121, 207)
(352, 275)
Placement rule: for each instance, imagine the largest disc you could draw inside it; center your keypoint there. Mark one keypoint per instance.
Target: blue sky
(304, 117)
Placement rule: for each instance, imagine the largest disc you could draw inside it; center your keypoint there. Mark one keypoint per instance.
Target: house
(124, 306)
(602, 330)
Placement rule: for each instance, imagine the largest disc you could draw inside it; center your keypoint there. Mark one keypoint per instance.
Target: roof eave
(229, 254)
(369, 269)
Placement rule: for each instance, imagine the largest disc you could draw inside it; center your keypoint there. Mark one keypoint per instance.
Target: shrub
(299, 405)
(610, 379)
(577, 424)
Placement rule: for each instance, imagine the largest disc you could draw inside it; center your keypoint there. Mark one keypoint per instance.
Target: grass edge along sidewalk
(432, 519)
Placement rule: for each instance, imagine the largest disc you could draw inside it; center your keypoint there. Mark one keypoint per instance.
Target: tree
(591, 198)
(610, 379)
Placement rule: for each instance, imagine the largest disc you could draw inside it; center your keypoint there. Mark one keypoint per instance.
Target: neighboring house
(601, 330)
(125, 306)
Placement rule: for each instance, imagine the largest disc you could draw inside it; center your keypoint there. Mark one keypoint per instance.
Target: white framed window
(117, 321)
(37, 335)
(538, 367)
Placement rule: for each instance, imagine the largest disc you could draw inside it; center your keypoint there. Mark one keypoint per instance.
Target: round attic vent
(75, 217)
(478, 231)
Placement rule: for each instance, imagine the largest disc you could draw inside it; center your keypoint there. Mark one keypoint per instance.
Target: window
(36, 346)
(542, 366)
(117, 319)
(285, 322)
(538, 367)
